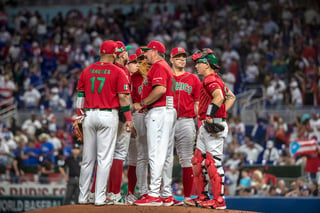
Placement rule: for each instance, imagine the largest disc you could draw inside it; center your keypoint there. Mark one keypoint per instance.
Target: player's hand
(137, 107)
(133, 132)
(209, 120)
(128, 126)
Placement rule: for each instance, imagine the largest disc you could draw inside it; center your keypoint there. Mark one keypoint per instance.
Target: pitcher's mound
(132, 209)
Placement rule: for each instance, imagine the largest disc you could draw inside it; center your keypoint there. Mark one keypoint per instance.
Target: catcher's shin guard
(199, 175)
(216, 175)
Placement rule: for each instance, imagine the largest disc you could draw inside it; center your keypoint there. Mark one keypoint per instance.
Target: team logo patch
(125, 86)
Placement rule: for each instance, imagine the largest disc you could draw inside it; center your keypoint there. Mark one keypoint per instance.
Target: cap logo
(180, 49)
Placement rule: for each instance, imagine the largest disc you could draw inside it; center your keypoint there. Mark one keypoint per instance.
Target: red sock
(187, 180)
(132, 179)
(115, 176)
(93, 186)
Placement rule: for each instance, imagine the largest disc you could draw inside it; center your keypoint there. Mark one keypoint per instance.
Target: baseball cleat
(168, 201)
(130, 199)
(149, 201)
(214, 203)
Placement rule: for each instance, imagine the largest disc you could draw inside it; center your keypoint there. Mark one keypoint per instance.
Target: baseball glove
(213, 128)
(77, 130)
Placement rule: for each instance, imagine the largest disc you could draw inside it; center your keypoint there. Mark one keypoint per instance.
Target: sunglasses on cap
(200, 57)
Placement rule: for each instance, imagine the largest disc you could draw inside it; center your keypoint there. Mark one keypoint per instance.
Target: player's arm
(124, 101)
(230, 99)
(196, 107)
(157, 92)
(217, 101)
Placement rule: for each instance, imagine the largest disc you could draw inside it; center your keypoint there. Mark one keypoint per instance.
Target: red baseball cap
(155, 45)
(108, 47)
(178, 51)
(132, 58)
(121, 47)
(139, 52)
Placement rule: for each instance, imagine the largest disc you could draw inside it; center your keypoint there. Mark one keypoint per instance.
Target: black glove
(213, 128)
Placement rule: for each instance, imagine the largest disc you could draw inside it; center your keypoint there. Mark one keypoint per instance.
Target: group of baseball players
(138, 108)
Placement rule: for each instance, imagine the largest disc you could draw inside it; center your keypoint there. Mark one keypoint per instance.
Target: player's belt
(97, 109)
(180, 118)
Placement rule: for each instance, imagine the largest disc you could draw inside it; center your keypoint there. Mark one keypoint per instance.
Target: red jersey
(187, 92)
(136, 87)
(209, 84)
(126, 71)
(159, 74)
(101, 82)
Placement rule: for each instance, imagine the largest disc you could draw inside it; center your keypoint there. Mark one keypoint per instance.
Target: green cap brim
(128, 47)
(145, 48)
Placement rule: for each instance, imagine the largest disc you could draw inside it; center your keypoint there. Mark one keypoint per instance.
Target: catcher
(215, 101)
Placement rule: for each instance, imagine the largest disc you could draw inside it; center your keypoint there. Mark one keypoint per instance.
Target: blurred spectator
(4, 153)
(31, 98)
(270, 154)
(240, 130)
(296, 96)
(51, 119)
(16, 170)
(315, 125)
(229, 79)
(279, 89)
(46, 148)
(259, 131)
(281, 129)
(31, 125)
(310, 91)
(56, 103)
(251, 149)
(257, 183)
(7, 138)
(281, 188)
(252, 72)
(294, 190)
(245, 180)
(32, 154)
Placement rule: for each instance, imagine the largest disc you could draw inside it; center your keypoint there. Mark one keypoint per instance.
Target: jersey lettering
(99, 71)
(93, 80)
(140, 89)
(184, 87)
(173, 86)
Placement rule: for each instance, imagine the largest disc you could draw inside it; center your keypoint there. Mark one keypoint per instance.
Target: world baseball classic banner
(32, 189)
(22, 204)
(303, 147)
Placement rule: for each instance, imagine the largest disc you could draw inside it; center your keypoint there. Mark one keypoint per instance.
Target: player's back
(101, 82)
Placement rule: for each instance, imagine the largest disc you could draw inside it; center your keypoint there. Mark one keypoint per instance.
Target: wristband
(212, 109)
(125, 108)
(128, 116)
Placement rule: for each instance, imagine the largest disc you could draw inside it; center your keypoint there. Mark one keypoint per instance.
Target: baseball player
(103, 89)
(157, 97)
(187, 102)
(139, 124)
(215, 100)
(132, 153)
(123, 138)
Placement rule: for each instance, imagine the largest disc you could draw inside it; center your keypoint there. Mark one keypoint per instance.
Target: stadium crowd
(275, 45)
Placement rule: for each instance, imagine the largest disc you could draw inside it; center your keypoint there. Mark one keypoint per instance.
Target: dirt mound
(131, 209)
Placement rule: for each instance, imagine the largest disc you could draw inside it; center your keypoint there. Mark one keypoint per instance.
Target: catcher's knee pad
(216, 174)
(197, 163)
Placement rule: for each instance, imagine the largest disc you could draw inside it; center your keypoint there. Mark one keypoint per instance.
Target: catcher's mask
(205, 56)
